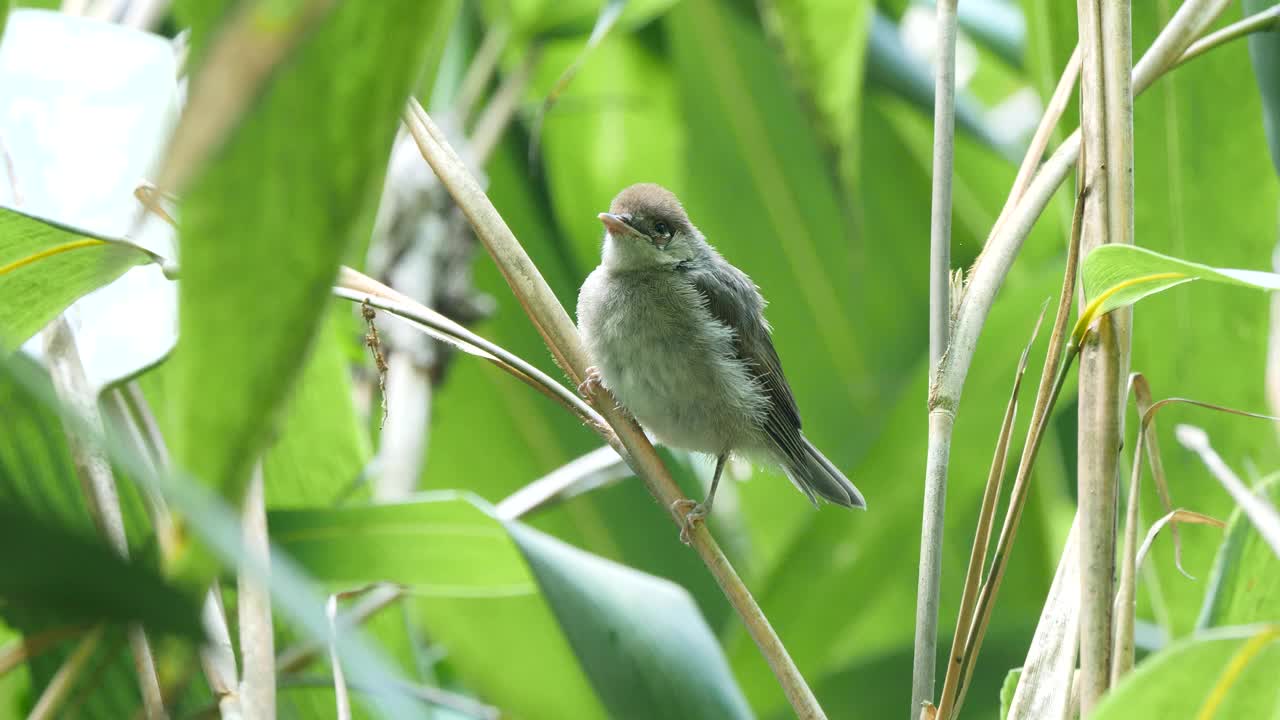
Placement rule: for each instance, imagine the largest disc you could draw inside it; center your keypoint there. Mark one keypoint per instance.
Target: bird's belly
(664, 393)
(678, 376)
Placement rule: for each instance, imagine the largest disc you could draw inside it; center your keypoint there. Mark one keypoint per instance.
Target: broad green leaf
(78, 579)
(648, 651)
(825, 43)
(322, 449)
(44, 267)
(484, 588)
(475, 594)
(36, 474)
(1244, 586)
(266, 222)
(1264, 51)
(1230, 673)
(1116, 276)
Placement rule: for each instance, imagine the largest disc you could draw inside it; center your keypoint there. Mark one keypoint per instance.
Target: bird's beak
(617, 225)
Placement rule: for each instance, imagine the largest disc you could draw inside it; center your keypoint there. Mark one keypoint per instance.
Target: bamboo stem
(935, 481)
(561, 337)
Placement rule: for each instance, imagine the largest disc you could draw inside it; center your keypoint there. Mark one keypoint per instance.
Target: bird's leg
(695, 512)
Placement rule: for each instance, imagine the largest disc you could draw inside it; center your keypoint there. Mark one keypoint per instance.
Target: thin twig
(97, 481)
(53, 695)
(483, 64)
(579, 475)
(935, 480)
(1147, 426)
(123, 406)
(342, 699)
(1263, 516)
(1126, 589)
(561, 337)
(432, 695)
(1272, 372)
(497, 114)
(358, 287)
(1052, 377)
(374, 342)
(1040, 141)
(294, 659)
(257, 640)
(981, 540)
(1173, 518)
(24, 647)
(1266, 21)
(218, 658)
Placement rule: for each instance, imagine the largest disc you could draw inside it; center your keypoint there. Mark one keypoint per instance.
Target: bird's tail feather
(815, 475)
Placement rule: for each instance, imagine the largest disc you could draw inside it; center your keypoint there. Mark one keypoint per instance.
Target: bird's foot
(591, 383)
(690, 514)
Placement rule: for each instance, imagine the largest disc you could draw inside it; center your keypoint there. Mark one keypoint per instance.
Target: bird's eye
(660, 228)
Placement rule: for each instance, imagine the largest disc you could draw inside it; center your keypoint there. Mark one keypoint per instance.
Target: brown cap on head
(649, 200)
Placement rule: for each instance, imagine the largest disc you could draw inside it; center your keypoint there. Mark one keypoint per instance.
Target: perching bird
(678, 336)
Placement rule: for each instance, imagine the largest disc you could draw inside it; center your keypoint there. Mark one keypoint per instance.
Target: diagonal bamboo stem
(561, 337)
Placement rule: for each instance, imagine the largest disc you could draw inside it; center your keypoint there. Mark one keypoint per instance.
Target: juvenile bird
(679, 338)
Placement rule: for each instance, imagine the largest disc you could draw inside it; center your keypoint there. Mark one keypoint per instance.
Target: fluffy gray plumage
(678, 336)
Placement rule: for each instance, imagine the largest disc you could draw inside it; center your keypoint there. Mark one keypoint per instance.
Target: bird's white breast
(668, 361)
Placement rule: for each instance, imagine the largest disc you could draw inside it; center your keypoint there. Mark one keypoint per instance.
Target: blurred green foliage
(798, 135)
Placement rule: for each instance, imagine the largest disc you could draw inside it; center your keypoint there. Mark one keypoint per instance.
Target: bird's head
(646, 227)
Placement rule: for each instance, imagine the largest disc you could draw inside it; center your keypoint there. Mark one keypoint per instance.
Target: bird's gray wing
(732, 299)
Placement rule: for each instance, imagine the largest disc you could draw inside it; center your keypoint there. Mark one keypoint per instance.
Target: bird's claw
(690, 514)
(591, 383)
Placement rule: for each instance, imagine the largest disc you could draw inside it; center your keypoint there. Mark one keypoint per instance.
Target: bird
(677, 335)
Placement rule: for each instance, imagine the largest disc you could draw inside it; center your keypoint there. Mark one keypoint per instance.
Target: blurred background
(798, 134)
(799, 137)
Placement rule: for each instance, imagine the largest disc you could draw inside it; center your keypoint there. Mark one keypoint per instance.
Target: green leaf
(1245, 584)
(1007, 690)
(323, 448)
(1229, 673)
(44, 267)
(598, 140)
(648, 651)
(571, 619)
(825, 44)
(1117, 276)
(78, 578)
(1264, 51)
(37, 475)
(266, 223)
(1195, 199)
